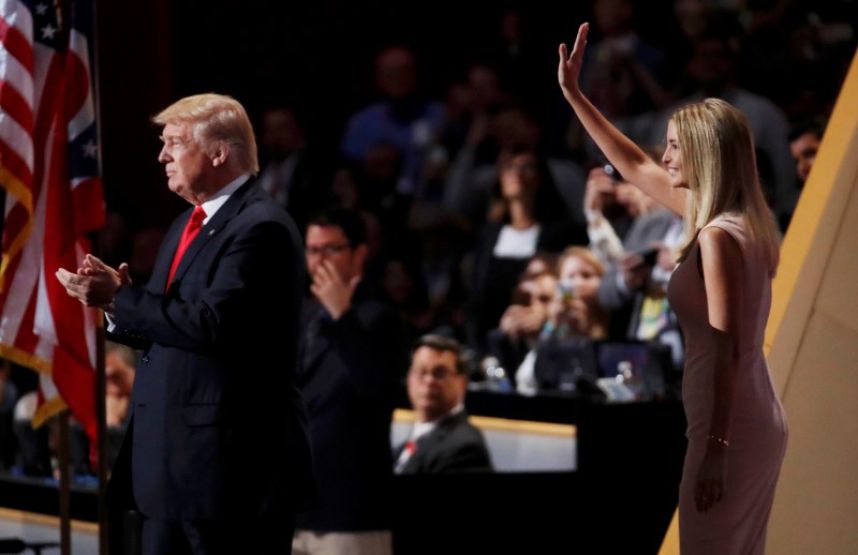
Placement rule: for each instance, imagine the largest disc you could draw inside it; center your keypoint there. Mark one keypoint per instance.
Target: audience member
(624, 73)
(525, 218)
(572, 310)
(471, 181)
(804, 140)
(294, 173)
(442, 440)
(352, 357)
(8, 398)
(119, 371)
(712, 70)
(402, 119)
(522, 322)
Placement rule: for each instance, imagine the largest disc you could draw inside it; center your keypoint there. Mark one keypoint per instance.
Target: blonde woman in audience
(576, 310)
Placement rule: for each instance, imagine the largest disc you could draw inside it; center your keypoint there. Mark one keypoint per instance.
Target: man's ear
(220, 154)
(361, 252)
(462, 381)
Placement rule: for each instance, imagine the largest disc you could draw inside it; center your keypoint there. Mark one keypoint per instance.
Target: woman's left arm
(723, 271)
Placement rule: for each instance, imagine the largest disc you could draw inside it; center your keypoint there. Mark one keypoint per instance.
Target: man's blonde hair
(216, 118)
(720, 167)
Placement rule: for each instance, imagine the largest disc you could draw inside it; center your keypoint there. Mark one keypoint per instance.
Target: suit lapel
(210, 229)
(315, 342)
(158, 279)
(426, 443)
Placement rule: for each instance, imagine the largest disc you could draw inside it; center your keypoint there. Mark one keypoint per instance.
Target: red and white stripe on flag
(49, 170)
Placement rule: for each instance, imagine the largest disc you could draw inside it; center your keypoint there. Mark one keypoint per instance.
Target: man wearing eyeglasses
(352, 359)
(442, 440)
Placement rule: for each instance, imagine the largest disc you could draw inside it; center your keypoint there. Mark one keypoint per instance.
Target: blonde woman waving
(721, 292)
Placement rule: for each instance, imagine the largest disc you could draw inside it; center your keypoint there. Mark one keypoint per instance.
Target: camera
(649, 257)
(566, 291)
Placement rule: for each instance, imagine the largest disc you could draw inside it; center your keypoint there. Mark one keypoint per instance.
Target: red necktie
(192, 228)
(407, 451)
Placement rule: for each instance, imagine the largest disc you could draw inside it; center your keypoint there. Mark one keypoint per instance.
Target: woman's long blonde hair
(719, 164)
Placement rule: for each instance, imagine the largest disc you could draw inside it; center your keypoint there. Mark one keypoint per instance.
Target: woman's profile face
(672, 158)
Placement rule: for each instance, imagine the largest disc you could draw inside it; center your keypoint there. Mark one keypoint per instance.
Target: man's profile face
(434, 386)
(329, 243)
(185, 161)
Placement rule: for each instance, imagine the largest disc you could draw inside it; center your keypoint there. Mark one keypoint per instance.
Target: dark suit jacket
(218, 426)
(308, 186)
(348, 377)
(453, 446)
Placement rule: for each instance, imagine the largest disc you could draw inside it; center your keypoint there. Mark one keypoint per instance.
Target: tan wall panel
(815, 228)
(813, 333)
(816, 509)
(837, 295)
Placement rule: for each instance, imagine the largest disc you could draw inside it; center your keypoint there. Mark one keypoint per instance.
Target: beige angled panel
(813, 340)
(812, 346)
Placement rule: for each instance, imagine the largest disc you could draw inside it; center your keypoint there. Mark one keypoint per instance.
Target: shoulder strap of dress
(732, 224)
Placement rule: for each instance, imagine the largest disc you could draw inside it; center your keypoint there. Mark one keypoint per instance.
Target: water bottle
(627, 377)
(496, 377)
(620, 387)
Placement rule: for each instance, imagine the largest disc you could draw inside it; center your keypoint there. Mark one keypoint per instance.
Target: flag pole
(65, 482)
(63, 433)
(100, 371)
(101, 416)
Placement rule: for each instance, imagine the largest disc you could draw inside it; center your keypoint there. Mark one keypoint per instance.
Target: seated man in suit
(442, 440)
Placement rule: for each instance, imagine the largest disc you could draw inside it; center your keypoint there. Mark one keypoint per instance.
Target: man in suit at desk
(216, 453)
(442, 440)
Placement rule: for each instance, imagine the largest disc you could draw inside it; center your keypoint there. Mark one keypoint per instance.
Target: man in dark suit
(353, 356)
(217, 449)
(442, 439)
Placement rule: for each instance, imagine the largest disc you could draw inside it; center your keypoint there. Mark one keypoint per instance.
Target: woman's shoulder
(737, 227)
(732, 222)
(729, 224)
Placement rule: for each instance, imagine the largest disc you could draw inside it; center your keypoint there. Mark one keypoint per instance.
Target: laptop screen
(614, 357)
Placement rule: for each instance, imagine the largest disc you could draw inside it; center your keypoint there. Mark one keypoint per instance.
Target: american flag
(49, 170)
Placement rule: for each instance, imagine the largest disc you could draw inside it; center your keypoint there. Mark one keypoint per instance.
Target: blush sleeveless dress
(736, 524)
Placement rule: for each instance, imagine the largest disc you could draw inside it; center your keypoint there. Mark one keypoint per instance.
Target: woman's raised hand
(569, 68)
